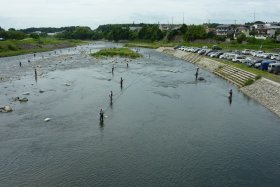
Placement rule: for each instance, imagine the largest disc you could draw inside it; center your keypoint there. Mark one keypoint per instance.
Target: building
(225, 30)
(242, 29)
(135, 28)
(168, 27)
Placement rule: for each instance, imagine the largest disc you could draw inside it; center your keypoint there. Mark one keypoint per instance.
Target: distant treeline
(117, 32)
(46, 29)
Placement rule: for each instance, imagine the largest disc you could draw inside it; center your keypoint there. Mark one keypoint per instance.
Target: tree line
(117, 32)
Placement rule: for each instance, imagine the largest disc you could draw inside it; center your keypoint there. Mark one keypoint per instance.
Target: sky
(22, 14)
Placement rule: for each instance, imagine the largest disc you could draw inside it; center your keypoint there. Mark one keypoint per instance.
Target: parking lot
(256, 59)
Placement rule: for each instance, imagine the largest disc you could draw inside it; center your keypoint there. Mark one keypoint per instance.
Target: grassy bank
(259, 73)
(122, 52)
(30, 45)
(149, 44)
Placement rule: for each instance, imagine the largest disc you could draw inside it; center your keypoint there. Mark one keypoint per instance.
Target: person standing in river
(121, 82)
(101, 115)
(19, 64)
(35, 71)
(111, 95)
(196, 73)
(113, 67)
(230, 94)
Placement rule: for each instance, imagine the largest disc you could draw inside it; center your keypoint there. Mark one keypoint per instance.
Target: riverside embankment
(265, 91)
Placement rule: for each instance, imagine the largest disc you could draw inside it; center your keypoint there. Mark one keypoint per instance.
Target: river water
(163, 128)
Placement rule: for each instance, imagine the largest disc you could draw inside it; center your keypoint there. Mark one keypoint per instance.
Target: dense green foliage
(12, 34)
(31, 45)
(46, 29)
(122, 52)
(194, 32)
(150, 32)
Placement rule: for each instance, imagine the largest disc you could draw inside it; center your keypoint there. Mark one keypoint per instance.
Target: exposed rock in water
(47, 119)
(200, 79)
(6, 109)
(23, 99)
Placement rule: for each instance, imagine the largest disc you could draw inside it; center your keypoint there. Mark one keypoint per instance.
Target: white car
(238, 58)
(246, 52)
(275, 57)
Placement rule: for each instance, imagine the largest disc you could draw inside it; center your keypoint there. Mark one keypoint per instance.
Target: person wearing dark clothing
(19, 64)
(121, 82)
(196, 73)
(230, 93)
(111, 95)
(113, 69)
(35, 71)
(101, 115)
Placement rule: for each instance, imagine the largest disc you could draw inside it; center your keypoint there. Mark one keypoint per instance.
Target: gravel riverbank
(265, 91)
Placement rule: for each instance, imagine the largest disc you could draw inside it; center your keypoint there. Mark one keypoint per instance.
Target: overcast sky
(57, 13)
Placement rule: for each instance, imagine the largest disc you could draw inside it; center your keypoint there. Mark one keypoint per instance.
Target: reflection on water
(162, 128)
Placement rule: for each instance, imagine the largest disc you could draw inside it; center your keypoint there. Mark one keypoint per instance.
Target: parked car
(266, 55)
(208, 51)
(254, 62)
(231, 56)
(274, 68)
(215, 47)
(257, 53)
(238, 58)
(202, 51)
(257, 65)
(275, 57)
(216, 54)
(264, 64)
(246, 52)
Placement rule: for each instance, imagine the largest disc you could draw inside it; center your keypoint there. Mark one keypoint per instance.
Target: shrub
(12, 47)
(249, 82)
(258, 77)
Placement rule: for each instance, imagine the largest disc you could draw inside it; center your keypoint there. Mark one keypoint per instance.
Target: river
(163, 128)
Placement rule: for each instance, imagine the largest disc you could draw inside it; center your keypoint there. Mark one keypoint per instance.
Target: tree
(183, 29)
(82, 33)
(195, 32)
(17, 35)
(241, 38)
(34, 35)
(253, 32)
(150, 32)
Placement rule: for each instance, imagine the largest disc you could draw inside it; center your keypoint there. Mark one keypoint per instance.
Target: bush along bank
(265, 91)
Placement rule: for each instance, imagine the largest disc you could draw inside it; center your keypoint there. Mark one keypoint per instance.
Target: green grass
(30, 45)
(122, 52)
(150, 44)
(249, 82)
(257, 72)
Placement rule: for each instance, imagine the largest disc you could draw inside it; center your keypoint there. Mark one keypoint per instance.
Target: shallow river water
(162, 129)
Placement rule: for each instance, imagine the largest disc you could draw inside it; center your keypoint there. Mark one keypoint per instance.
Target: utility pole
(254, 16)
(172, 23)
(183, 18)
